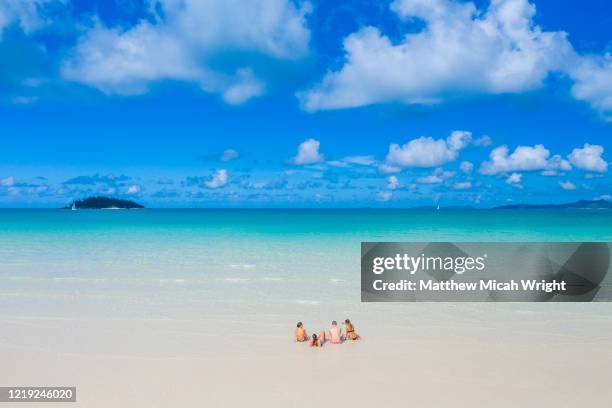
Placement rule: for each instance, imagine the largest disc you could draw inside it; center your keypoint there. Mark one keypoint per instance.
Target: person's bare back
(300, 333)
(335, 333)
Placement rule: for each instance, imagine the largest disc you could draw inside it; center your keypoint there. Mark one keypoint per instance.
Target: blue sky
(281, 103)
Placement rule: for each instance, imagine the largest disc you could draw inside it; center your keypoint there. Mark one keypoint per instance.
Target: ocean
(150, 261)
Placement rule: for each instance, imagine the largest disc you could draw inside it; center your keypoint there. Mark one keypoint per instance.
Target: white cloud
(393, 183)
(524, 158)
(558, 163)
(589, 158)
(229, 154)
(421, 152)
(605, 197)
(25, 13)
(466, 167)
(384, 196)
(460, 50)
(244, 87)
(133, 189)
(459, 139)
(438, 176)
(464, 185)
(483, 141)
(182, 41)
(7, 181)
(567, 185)
(428, 152)
(308, 152)
(219, 179)
(593, 83)
(514, 179)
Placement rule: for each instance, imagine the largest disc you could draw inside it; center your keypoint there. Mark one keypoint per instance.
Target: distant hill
(98, 203)
(582, 204)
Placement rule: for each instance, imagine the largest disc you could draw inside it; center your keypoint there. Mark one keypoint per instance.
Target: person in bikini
(300, 333)
(350, 331)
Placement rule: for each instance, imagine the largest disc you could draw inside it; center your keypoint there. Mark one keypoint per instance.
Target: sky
(282, 103)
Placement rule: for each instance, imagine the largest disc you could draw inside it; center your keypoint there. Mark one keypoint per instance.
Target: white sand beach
(422, 355)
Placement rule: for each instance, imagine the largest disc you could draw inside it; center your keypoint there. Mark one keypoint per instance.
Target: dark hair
(347, 321)
(334, 322)
(299, 324)
(314, 337)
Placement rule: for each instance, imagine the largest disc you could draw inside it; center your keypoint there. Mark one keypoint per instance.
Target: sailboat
(73, 208)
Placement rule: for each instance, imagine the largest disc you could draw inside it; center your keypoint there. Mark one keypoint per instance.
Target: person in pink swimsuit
(335, 333)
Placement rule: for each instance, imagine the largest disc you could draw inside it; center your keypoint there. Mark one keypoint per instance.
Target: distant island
(581, 205)
(100, 203)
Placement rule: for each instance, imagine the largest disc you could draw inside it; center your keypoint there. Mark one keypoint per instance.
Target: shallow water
(155, 261)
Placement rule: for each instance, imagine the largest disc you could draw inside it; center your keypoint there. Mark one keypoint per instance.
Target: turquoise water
(150, 257)
(366, 223)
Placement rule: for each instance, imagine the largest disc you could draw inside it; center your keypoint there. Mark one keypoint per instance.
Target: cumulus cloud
(593, 83)
(567, 185)
(427, 152)
(524, 158)
(466, 167)
(219, 179)
(514, 179)
(393, 183)
(589, 158)
(308, 153)
(459, 50)
(421, 152)
(483, 141)
(243, 87)
(459, 139)
(182, 40)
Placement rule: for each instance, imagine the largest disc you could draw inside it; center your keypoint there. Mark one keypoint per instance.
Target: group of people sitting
(334, 335)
